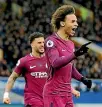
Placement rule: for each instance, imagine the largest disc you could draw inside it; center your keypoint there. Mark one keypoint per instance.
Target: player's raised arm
(82, 50)
(9, 86)
(53, 55)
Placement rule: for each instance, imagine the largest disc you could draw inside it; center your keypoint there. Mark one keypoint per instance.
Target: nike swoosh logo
(32, 67)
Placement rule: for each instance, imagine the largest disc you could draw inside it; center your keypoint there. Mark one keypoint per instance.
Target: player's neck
(62, 35)
(37, 55)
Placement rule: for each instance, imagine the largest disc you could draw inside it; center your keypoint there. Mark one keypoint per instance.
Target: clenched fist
(76, 93)
(6, 99)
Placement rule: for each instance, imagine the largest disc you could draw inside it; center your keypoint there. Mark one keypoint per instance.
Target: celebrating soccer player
(34, 69)
(60, 54)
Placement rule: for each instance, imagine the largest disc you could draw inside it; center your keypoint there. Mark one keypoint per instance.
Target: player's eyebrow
(40, 42)
(74, 20)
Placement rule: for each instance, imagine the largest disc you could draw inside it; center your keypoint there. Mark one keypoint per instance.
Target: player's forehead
(71, 17)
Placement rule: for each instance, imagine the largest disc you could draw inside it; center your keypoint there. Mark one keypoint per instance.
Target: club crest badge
(49, 43)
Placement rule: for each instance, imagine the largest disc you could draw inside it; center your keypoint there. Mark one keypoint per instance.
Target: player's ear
(62, 23)
(32, 45)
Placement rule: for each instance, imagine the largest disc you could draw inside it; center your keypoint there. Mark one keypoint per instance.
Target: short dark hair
(35, 35)
(59, 15)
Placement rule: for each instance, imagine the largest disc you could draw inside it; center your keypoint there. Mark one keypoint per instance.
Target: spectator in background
(4, 71)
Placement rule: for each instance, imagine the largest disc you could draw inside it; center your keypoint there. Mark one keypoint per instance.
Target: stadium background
(19, 18)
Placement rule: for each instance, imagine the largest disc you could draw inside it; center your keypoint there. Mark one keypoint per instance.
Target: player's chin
(41, 51)
(72, 34)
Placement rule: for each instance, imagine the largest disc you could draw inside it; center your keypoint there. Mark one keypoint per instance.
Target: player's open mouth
(74, 29)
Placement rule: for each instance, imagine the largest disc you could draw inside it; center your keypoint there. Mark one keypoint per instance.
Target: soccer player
(60, 53)
(34, 69)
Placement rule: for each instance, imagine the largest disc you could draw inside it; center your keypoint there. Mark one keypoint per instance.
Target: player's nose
(76, 24)
(42, 44)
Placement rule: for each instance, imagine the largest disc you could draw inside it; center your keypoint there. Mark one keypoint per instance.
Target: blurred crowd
(19, 18)
(91, 29)
(89, 66)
